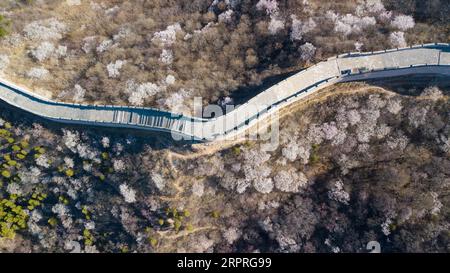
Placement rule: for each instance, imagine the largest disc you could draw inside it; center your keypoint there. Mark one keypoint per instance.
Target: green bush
(88, 238)
(12, 218)
(6, 174)
(314, 157)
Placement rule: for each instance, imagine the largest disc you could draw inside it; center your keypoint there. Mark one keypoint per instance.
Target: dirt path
(169, 234)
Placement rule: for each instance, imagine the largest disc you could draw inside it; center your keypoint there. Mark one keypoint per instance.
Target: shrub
(52, 221)
(236, 150)
(12, 218)
(6, 174)
(314, 158)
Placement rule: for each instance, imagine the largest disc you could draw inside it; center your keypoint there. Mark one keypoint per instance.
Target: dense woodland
(164, 53)
(355, 163)
(365, 164)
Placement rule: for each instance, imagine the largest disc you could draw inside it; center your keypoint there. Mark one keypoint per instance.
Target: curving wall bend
(422, 59)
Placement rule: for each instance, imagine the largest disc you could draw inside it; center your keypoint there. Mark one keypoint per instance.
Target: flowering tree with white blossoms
(44, 30)
(226, 16)
(349, 23)
(43, 51)
(78, 93)
(198, 188)
(4, 62)
(270, 6)
(71, 139)
(128, 193)
(119, 165)
(263, 184)
(338, 193)
(37, 73)
(290, 180)
(433, 93)
(299, 28)
(293, 150)
(307, 51)
(403, 22)
(104, 45)
(168, 36)
(397, 39)
(105, 142)
(170, 79)
(370, 7)
(231, 235)
(275, 25)
(394, 106)
(114, 68)
(158, 180)
(329, 130)
(140, 92)
(166, 56)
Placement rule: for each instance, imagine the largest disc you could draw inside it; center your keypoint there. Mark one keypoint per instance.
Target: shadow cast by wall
(156, 140)
(413, 85)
